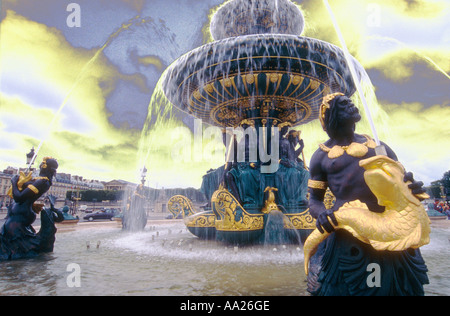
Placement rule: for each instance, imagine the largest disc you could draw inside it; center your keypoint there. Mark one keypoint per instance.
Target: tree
(98, 195)
(434, 190)
(440, 187)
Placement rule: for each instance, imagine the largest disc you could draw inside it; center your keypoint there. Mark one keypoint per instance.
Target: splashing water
(159, 118)
(379, 117)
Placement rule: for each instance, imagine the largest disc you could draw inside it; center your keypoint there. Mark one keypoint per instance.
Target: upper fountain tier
(272, 76)
(246, 17)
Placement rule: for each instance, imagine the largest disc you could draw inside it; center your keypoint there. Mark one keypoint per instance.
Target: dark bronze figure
(340, 266)
(18, 239)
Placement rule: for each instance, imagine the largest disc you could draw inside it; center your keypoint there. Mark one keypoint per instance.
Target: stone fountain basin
(276, 76)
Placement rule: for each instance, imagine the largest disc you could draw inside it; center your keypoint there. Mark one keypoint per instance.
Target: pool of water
(167, 260)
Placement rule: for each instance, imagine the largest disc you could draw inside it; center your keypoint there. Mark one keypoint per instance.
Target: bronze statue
(18, 239)
(291, 171)
(340, 265)
(242, 176)
(285, 145)
(403, 224)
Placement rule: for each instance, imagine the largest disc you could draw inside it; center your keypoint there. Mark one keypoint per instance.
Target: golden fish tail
(311, 245)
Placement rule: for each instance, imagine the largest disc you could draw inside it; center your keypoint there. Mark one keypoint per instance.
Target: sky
(81, 79)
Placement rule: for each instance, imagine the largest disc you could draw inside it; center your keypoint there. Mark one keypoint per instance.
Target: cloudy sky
(87, 89)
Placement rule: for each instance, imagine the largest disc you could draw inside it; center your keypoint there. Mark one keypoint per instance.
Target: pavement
(440, 223)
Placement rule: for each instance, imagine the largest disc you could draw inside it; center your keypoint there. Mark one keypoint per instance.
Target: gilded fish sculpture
(404, 223)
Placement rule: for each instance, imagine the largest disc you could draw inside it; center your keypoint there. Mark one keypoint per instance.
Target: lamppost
(143, 175)
(30, 158)
(443, 193)
(143, 178)
(76, 199)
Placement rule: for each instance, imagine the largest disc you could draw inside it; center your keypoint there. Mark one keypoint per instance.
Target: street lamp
(143, 175)
(30, 156)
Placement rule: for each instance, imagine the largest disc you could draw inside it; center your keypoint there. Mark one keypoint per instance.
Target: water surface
(167, 260)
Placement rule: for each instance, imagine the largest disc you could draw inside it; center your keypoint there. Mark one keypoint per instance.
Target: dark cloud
(426, 86)
(128, 106)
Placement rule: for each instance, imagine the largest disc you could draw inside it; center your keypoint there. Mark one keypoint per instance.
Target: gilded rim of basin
(279, 77)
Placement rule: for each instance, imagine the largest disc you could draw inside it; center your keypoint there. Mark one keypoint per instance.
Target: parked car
(115, 211)
(103, 214)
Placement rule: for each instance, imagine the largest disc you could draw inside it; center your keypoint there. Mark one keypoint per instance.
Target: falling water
(159, 118)
(353, 72)
(279, 230)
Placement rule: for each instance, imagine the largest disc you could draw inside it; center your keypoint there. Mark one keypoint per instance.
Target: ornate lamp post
(76, 199)
(143, 175)
(30, 158)
(143, 179)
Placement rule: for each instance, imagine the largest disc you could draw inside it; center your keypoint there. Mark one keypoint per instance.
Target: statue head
(294, 136)
(48, 167)
(338, 114)
(284, 128)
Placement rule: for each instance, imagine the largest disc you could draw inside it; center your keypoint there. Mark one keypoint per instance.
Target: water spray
(380, 149)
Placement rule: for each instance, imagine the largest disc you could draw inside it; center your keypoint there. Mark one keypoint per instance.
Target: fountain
(280, 85)
(260, 78)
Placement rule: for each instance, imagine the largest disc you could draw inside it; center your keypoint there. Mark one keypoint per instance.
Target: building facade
(5, 184)
(119, 185)
(62, 183)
